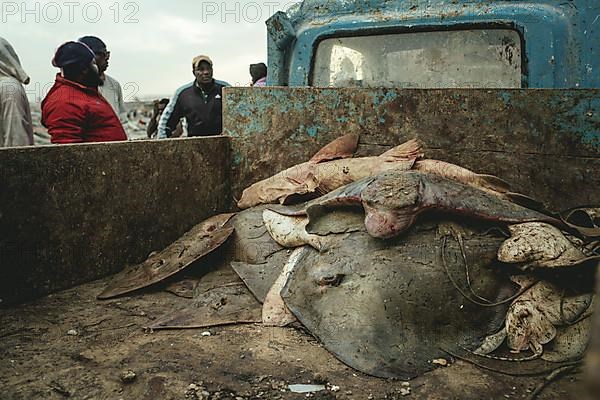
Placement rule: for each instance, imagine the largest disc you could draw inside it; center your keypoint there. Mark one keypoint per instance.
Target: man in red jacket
(74, 111)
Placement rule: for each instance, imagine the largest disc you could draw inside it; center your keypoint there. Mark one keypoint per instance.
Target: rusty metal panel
(72, 214)
(545, 142)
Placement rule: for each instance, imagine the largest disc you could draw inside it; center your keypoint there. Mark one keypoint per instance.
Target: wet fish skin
(334, 174)
(274, 310)
(199, 241)
(325, 175)
(342, 147)
(536, 317)
(290, 232)
(394, 200)
(344, 196)
(540, 245)
(358, 298)
(488, 183)
(298, 179)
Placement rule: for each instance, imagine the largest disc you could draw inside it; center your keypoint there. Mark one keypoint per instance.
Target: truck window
(489, 58)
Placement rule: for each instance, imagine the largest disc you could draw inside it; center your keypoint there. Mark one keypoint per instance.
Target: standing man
(16, 128)
(200, 102)
(74, 111)
(109, 87)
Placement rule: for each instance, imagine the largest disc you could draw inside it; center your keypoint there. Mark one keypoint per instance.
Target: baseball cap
(197, 60)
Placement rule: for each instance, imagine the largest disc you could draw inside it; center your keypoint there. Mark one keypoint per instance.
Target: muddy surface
(70, 345)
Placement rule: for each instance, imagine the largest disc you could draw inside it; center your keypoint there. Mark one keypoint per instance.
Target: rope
(457, 287)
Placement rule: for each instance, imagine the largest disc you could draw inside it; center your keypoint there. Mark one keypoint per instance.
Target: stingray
(329, 169)
(386, 308)
(274, 311)
(570, 343)
(254, 255)
(541, 319)
(395, 199)
(256, 258)
(540, 245)
(533, 319)
(196, 243)
(346, 196)
(292, 231)
(226, 305)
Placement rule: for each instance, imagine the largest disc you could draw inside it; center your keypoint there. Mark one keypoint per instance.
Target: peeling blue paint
(505, 96)
(312, 131)
(582, 121)
(558, 30)
(238, 158)
(574, 115)
(384, 98)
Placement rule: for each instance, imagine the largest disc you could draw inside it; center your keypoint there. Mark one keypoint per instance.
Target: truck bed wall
(73, 214)
(76, 213)
(546, 143)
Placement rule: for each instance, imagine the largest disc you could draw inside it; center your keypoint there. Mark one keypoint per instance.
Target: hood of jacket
(10, 65)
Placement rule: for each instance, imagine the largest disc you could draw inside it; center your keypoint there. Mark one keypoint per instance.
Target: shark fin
(494, 183)
(410, 150)
(343, 147)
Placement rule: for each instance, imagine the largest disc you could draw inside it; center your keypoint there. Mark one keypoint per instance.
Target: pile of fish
(392, 262)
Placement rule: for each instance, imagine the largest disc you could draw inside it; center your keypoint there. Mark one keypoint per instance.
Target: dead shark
(394, 199)
(329, 169)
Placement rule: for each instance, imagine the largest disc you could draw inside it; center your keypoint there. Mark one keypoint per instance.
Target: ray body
(196, 243)
(386, 308)
(540, 245)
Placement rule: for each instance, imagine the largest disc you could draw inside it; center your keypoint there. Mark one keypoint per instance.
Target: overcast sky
(152, 42)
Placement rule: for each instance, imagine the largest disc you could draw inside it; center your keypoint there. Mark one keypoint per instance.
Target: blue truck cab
(436, 44)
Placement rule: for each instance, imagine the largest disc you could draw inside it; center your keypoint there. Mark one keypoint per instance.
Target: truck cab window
(489, 58)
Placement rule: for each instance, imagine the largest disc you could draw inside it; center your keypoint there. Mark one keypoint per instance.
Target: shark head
(391, 203)
(385, 224)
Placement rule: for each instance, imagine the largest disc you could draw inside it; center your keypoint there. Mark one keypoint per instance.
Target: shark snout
(385, 224)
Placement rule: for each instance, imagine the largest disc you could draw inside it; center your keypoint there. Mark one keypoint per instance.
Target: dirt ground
(70, 345)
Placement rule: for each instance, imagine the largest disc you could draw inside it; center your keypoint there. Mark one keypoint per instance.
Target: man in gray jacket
(16, 128)
(110, 88)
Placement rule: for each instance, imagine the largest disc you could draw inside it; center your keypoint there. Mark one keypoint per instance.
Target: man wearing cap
(198, 102)
(74, 111)
(16, 128)
(109, 87)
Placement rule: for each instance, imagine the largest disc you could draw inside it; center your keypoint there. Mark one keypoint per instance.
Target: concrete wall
(546, 143)
(72, 214)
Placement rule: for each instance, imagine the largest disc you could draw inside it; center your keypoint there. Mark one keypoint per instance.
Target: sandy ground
(41, 359)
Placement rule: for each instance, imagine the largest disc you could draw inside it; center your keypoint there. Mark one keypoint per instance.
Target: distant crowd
(86, 105)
